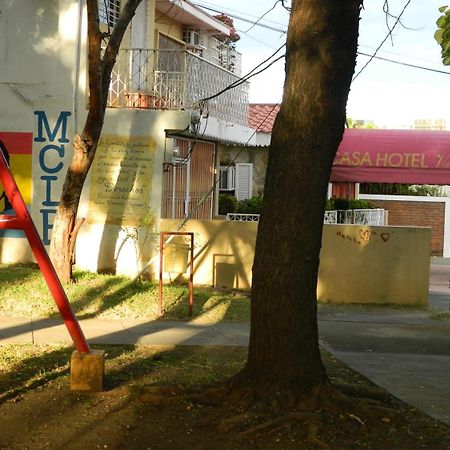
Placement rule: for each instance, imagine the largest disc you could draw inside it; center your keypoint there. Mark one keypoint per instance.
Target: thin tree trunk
(320, 59)
(66, 225)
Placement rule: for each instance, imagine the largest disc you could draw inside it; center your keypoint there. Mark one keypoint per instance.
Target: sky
(391, 95)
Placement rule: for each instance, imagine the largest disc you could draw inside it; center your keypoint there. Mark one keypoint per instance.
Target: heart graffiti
(385, 236)
(364, 235)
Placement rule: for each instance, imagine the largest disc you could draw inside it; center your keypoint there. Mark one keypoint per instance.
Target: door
(188, 182)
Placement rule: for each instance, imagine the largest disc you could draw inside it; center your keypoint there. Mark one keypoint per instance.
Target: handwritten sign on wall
(121, 181)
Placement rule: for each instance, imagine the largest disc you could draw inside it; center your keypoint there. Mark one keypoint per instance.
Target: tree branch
(112, 49)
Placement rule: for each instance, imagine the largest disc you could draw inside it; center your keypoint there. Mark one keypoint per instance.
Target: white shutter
(244, 175)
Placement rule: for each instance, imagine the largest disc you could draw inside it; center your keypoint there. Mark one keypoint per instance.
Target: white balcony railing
(176, 79)
(352, 216)
(357, 216)
(236, 217)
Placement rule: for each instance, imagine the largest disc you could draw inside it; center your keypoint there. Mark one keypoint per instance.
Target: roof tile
(261, 116)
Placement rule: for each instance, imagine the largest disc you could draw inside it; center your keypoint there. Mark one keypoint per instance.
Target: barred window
(109, 11)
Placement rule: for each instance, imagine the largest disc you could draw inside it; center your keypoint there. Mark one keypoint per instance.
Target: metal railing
(357, 216)
(220, 54)
(235, 217)
(176, 80)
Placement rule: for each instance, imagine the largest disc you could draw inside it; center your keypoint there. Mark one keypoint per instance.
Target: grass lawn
(24, 293)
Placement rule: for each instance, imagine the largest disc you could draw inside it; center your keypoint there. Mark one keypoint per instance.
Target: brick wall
(420, 214)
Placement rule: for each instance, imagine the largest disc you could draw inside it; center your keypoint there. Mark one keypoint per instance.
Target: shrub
(227, 204)
(345, 203)
(250, 206)
(329, 204)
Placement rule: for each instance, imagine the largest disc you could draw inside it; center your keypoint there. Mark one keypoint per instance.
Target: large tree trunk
(66, 225)
(320, 58)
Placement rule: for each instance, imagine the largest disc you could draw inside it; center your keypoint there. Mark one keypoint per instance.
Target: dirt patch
(46, 415)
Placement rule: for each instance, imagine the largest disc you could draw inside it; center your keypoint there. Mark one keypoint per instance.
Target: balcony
(178, 80)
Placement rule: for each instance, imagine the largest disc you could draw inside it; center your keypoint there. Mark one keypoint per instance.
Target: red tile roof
(261, 116)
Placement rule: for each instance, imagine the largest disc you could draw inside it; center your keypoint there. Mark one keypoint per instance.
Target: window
(109, 11)
(238, 178)
(170, 60)
(227, 178)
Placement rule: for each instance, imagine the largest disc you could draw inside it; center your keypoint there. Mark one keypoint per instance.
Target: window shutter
(244, 175)
(227, 178)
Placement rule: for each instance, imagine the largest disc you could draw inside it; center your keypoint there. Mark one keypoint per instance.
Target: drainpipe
(77, 67)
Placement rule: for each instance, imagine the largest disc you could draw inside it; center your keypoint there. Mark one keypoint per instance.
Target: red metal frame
(23, 221)
(162, 236)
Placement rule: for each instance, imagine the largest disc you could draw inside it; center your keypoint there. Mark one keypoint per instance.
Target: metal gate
(187, 180)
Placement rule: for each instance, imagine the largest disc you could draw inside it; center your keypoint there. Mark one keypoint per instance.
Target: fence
(176, 80)
(357, 216)
(234, 217)
(352, 216)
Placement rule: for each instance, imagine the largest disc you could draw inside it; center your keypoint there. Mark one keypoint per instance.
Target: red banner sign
(393, 156)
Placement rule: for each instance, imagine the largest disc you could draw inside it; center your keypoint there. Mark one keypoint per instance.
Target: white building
(157, 156)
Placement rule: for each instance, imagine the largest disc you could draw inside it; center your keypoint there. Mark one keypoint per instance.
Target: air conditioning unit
(193, 38)
(171, 152)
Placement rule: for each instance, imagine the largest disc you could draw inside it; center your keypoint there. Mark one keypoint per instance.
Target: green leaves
(442, 34)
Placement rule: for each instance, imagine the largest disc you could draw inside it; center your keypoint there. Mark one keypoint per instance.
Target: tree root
(276, 423)
(158, 395)
(228, 424)
(264, 414)
(312, 438)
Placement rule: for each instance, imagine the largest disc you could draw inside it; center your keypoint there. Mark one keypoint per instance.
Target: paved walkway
(401, 349)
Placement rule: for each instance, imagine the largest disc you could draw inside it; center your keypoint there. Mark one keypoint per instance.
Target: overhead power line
(244, 19)
(414, 66)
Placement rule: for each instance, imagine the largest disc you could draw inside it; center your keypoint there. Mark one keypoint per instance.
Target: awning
(393, 156)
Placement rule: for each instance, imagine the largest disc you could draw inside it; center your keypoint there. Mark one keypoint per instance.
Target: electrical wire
(217, 181)
(262, 17)
(205, 197)
(249, 75)
(391, 29)
(414, 66)
(244, 19)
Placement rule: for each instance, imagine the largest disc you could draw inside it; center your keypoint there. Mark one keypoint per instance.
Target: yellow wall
(118, 235)
(169, 27)
(359, 264)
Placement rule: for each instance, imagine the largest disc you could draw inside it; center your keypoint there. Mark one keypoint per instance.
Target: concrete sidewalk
(403, 351)
(125, 331)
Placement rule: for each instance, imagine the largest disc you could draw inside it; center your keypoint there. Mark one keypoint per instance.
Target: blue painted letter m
(43, 126)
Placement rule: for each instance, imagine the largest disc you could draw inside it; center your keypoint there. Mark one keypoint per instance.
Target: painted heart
(364, 235)
(385, 236)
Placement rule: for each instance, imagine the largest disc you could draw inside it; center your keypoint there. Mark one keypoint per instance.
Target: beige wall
(102, 244)
(359, 264)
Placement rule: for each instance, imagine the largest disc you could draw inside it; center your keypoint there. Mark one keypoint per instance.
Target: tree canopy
(442, 34)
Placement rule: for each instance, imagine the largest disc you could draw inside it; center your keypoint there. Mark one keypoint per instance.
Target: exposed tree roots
(255, 415)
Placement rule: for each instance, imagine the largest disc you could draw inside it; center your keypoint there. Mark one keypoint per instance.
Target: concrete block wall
(433, 212)
(418, 214)
(358, 263)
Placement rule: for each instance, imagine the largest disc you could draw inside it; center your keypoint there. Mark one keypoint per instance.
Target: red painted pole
(161, 262)
(191, 276)
(24, 221)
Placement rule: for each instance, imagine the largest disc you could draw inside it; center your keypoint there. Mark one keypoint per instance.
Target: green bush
(250, 206)
(345, 203)
(329, 204)
(360, 204)
(227, 204)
